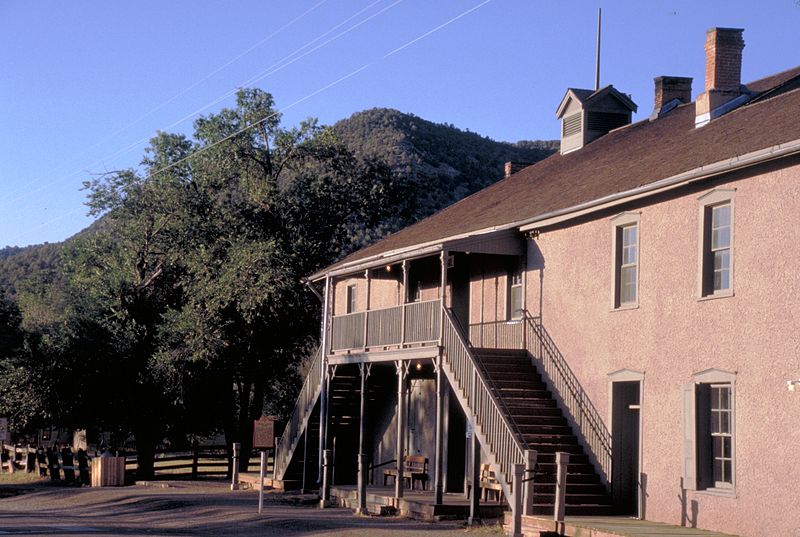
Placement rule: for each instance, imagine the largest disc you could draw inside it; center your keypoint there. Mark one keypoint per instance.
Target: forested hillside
(444, 163)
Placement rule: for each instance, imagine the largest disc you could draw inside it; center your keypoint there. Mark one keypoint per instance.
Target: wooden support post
(325, 490)
(261, 473)
(237, 447)
(475, 499)
(364, 369)
(402, 371)
(403, 304)
(517, 493)
(305, 461)
(362, 484)
(443, 294)
(530, 466)
(562, 460)
(323, 397)
(437, 470)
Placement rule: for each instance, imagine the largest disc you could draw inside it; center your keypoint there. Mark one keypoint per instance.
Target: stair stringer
(283, 457)
(477, 429)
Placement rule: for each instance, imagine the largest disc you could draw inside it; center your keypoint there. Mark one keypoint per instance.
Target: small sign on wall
(470, 429)
(264, 433)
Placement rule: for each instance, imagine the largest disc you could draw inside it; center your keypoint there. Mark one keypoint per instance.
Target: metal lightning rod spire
(597, 59)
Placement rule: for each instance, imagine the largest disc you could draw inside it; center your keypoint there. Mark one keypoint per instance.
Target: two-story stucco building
(632, 301)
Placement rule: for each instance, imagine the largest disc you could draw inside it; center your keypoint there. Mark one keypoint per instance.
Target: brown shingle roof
(624, 159)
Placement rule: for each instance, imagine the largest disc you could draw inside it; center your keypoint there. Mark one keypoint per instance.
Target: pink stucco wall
(672, 334)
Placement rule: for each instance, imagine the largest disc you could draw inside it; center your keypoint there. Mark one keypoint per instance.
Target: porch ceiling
(498, 242)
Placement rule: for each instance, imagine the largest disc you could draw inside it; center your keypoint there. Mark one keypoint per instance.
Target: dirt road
(191, 508)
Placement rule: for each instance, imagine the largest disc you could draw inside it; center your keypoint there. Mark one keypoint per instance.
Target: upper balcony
(413, 325)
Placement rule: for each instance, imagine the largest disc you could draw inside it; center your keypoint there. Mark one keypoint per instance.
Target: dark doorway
(456, 445)
(458, 276)
(625, 446)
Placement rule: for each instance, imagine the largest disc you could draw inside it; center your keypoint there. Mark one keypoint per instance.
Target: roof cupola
(587, 115)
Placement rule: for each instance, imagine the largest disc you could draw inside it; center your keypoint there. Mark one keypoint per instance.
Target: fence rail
(286, 444)
(503, 440)
(407, 324)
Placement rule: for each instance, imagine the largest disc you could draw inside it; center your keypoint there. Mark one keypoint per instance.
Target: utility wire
(275, 67)
(295, 103)
(195, 84)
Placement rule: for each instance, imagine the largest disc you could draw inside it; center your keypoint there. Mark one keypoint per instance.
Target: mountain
(445, 162)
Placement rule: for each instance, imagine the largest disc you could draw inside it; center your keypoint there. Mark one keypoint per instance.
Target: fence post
(326, 478)
(562, 460)
(235, 466)
(516, 512)
(261, 473)
(195, 457)
(530, 467)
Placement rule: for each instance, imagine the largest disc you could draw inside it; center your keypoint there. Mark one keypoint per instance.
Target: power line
(205, 78)
(301, 100)
(275, 67)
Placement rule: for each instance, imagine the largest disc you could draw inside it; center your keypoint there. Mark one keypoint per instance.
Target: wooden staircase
(534, 413)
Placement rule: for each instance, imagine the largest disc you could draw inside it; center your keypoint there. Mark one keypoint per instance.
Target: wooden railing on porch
(529, 333)
(398, 326)
(499, 434)
(287, 443)
(498, 334)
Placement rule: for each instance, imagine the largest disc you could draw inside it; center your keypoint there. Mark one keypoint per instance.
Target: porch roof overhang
(501, 240)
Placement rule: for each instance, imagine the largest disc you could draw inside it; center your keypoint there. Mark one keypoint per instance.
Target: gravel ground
(196, 508)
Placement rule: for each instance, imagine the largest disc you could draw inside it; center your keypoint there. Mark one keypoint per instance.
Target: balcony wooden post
(402, 372)
(530, 467)
(366, 309)
(403, 305)
(443, 294)
(323, 397)
(438, 465)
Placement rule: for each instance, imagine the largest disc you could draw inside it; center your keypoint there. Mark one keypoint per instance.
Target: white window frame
(691, 466)
(713, 198)
(512, 275)
(619, 222)
(351, 298)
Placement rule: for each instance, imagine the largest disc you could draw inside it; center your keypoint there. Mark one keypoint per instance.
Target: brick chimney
(669, 89)
(510, 168)
(723, 71)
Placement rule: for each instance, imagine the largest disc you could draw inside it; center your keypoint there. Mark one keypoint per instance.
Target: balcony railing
(399, 326)
(498, 334)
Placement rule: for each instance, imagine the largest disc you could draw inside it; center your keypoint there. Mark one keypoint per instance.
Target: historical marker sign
(5, 435)
(264, 433)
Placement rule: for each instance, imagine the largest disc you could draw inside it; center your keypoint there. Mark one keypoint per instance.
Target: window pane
(717, 470)
(726, 447)
(721, 216)
(720, 237)
(724, 398)
(516, 302)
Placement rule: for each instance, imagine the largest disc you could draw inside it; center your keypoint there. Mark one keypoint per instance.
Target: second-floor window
(515, 309)
(717, 258)
(627, 264)
(351, 298)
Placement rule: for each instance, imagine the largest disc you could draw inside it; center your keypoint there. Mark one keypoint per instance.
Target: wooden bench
(489, 483)
(415, 468)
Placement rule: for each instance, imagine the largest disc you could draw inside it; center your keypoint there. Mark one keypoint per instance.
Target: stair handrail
(579, 407)
(304, 405)
(499, 434)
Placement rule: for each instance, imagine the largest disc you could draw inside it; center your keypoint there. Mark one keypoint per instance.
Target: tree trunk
(146, 442)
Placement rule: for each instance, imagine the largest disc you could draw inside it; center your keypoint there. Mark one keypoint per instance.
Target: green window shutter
(689, 438)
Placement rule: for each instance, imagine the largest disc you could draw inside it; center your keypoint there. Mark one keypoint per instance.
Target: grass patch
(22, 478)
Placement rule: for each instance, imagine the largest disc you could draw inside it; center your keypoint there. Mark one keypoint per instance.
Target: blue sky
(84, 84)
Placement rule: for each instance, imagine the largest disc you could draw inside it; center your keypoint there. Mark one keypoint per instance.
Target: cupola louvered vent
(571, 125)
(606, 121)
